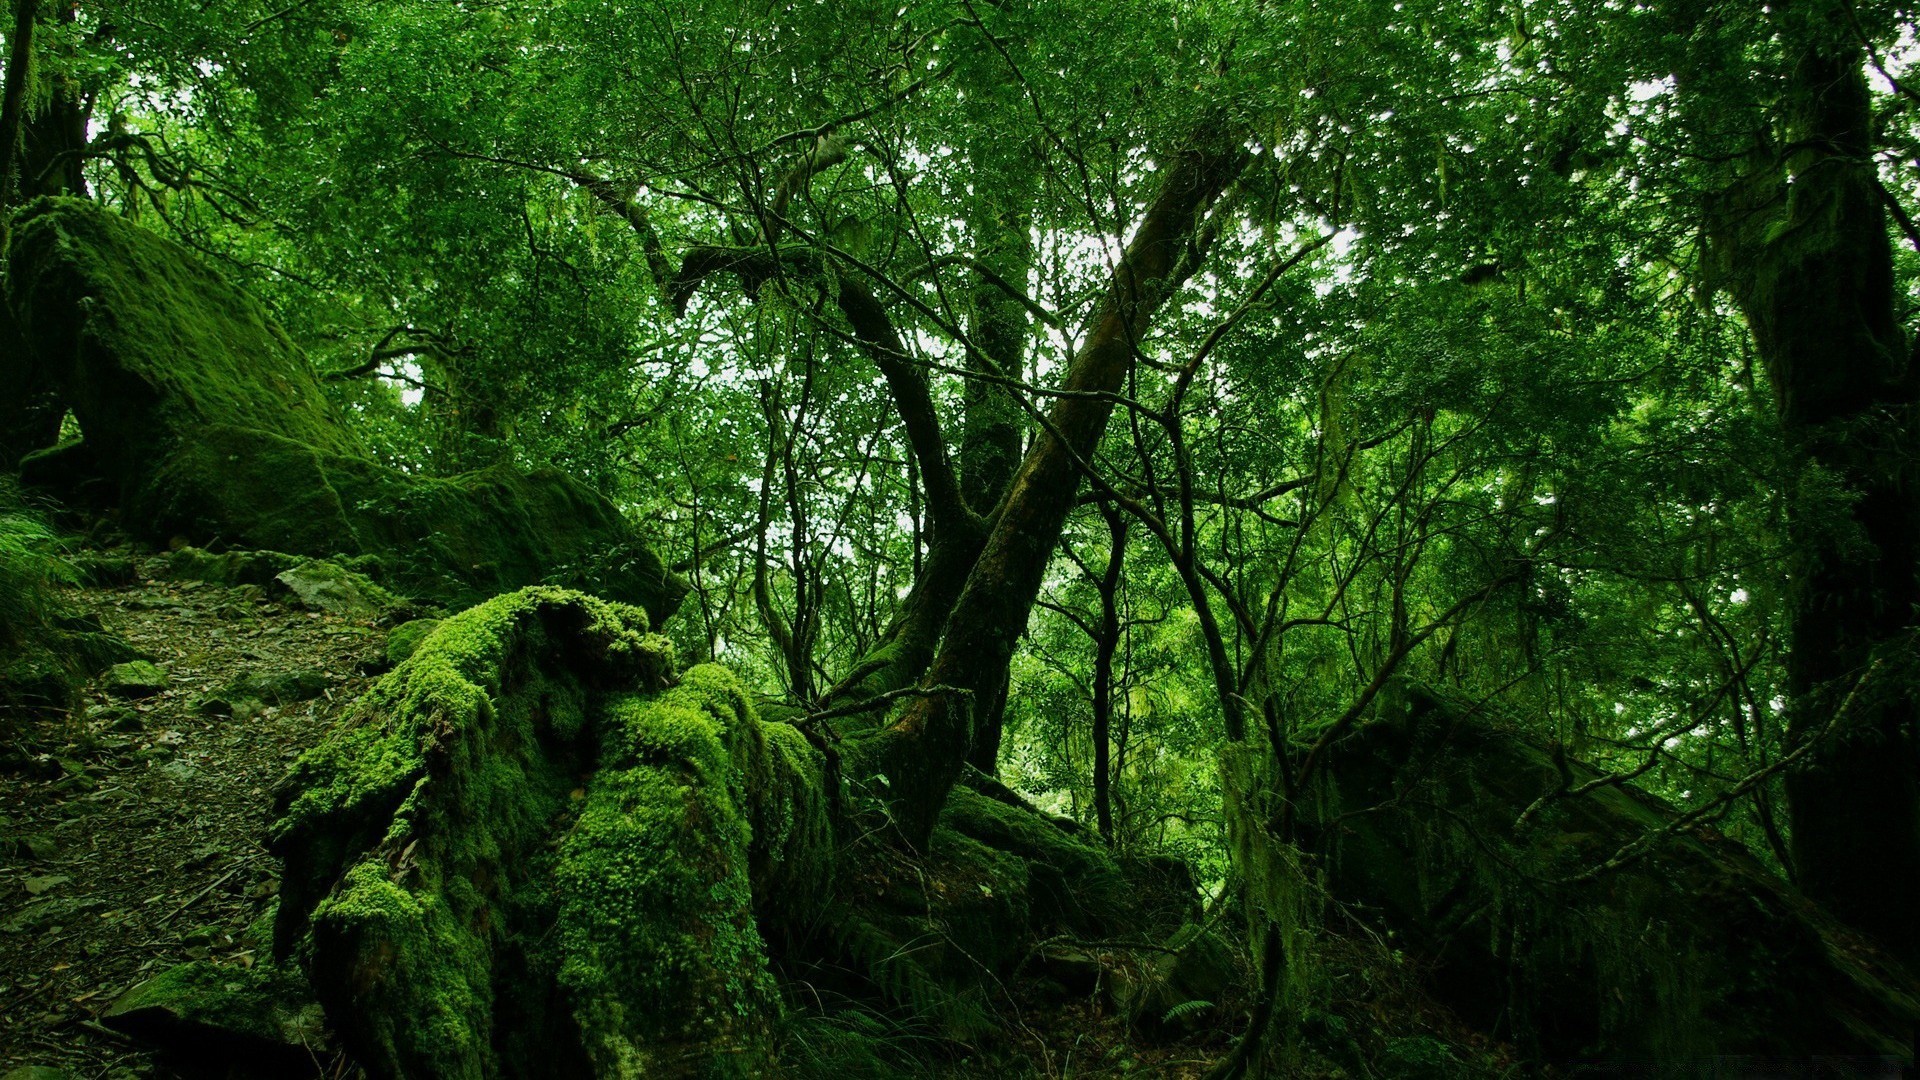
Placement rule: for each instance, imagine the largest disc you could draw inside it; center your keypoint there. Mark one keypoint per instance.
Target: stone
(205, 1013)
(204, 422)
(232, 568)
(134, 679)
(103, 571)
(275, 687)
(405, 638)
(325, 586)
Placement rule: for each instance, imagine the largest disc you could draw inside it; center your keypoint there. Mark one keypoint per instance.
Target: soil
(131, 831)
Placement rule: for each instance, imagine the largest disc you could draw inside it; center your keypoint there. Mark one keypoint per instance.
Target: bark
(53, 141)
(923, 751)
(1105, 645)
(1818, 291)
(994, 424)
(13, 105)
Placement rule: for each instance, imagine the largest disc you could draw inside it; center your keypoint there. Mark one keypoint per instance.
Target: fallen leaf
(38, 885)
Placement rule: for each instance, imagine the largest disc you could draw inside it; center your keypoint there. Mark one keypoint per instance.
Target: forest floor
(131, 837)
(133, 828)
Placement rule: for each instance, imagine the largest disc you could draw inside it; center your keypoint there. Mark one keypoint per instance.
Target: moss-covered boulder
(145, 342)
(534, 849)
(264, 1017)
(207, 423)
(1464, 836)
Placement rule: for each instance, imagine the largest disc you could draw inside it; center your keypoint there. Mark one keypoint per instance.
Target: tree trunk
(1105, 645)
(13, 105)
(922, 752)
(54, 139)
(1818, 292)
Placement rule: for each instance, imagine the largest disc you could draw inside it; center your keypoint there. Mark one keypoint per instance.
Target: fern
(1185, 1008)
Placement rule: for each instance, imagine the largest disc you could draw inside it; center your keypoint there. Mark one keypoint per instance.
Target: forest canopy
(1161, 416)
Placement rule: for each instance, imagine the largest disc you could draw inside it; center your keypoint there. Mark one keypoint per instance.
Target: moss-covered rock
(1694, 952)
(531, 850)
(134, 679)
(231, 568)
(145, 342)
(210, 425)
(403, 640)
(264, 1017)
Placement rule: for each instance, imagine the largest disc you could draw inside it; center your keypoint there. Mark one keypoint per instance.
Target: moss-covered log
(1693, 952)
(208, 423)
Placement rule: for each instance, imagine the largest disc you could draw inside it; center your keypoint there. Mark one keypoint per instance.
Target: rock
(53, 911)
(1174, 993)
(134, 679)
(36, 680)
(405, 638)
(117, 718)
(275, 687)
(263, 1016)
(323, 586)
(1695, 952)
(104, 571)
(207, 422)
(232, 568)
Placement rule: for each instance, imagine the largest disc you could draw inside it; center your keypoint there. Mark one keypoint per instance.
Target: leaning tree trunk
(1818, 290)
(922, 751)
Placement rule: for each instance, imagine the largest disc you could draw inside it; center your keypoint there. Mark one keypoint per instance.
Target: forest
(1364, 539)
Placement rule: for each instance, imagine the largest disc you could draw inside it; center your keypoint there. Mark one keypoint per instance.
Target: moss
(160, 344)
(511, 864)
(210, 424)
(1076, 883)
(405, 639)
(228, 567)
(264, 1013)
(454, 540)
(663, 962)
(1696, 951)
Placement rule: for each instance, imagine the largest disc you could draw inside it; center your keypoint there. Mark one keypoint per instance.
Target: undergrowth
(31, 571)
(32, 574)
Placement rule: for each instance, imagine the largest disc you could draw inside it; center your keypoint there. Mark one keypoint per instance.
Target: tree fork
(923, 750)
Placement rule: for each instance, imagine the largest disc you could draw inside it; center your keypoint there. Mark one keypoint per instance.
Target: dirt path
(132, 840)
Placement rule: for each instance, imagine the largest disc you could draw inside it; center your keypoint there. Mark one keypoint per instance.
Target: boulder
(208, 424)
(264, 1016)
(318, 585)
(402, 640)
(1694, 952)
(134, 679)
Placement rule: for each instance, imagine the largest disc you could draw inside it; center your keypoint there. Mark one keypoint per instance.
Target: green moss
(510, 863)
(1693, 952)
(662, 957)
(455, 540)
(211, 424)
(221, 1011)
(161, 344)
(403, 640)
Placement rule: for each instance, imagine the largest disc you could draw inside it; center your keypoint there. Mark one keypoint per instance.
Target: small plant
(31, 572)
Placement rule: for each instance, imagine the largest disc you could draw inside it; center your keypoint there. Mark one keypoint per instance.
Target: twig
(197, 897)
